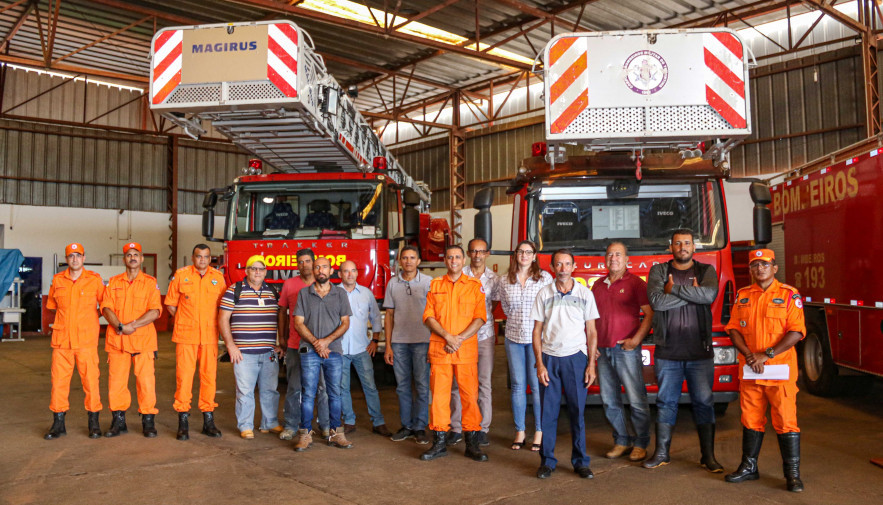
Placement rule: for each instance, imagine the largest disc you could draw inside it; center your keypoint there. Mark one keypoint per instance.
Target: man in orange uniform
(74, 297)
(132, 297)
(193, 298)
(455, 310)
(767, 321)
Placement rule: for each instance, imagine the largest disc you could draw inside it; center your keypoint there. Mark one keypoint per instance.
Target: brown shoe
(381, 430)
(247, 434)
(304, 440)
(618, 450)
(338, 439)
(277, 430)
(349, 428)
(638, 454)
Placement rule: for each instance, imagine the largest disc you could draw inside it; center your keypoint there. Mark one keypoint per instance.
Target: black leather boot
(57, 428)
(117, 424)
(94, 427)
(473, 447)
(183, 426)
(439, 449)
(789, 446)
(751, 442)
(208, 425)
(663, 443)
(706, 446)
(147, 426)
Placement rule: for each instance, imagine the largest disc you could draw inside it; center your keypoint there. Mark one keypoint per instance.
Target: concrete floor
(840, 436)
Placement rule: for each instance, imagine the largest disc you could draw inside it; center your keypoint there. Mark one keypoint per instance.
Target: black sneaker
(422, 437)
(482, 439)
(402, 434)
(584, 472)
(454, 438)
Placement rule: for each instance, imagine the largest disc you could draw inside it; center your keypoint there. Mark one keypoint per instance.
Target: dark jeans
(311, 365)
(618, 368)
(568, 374)
(699, 374)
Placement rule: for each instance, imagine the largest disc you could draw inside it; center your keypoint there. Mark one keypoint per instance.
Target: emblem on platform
(646, 72)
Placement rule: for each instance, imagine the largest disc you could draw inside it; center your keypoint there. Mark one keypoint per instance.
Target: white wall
(45, 231)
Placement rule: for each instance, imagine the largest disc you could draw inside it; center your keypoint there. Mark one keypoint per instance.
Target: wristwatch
(770, 352)
(376, 340)
(120, 328)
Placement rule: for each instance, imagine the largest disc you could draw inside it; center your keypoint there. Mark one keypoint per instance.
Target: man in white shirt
(478, 251)
(564, 337)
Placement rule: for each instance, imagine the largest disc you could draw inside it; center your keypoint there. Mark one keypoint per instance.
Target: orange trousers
(62, 369)
(441, 378)
(186, 356)
(118, 393)
(781, 399)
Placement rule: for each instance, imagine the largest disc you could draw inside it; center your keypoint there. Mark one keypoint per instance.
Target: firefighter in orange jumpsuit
(193, 298)
(766, 322)
(131, 304)
(455, 310)
(74, 297)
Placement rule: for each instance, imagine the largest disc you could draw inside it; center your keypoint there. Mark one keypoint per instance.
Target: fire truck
(337, 189)
(653, 114)
(829, 248)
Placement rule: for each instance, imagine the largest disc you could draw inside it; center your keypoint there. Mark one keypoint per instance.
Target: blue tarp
(10, 261)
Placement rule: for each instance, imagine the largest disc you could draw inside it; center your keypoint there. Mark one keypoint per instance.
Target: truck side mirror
(763, 221)
(210, 200)
(483, 227)
(410, 214)
(208, 223)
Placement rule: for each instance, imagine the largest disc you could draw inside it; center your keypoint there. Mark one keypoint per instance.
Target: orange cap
(762, 255)
(131, 245)
(74, 248)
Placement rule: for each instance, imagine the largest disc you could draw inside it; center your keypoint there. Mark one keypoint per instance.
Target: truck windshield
(586, 218)
(307, 209)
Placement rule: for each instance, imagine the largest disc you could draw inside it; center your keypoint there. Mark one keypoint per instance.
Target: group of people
(560, 336)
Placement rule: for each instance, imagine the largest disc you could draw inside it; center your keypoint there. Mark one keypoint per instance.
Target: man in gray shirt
(407, 344)
(321, 317)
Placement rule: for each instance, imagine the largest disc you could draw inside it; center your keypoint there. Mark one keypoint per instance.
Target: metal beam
(4, 45)
(427, 12)
(404, 119)
(180, 20)
(172, 169)
(62, 67)
(102, 39)
(828, 8)
(457, 161)
(285, 8)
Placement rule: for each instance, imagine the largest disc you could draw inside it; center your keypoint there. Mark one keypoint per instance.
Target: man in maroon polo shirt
(621, 297)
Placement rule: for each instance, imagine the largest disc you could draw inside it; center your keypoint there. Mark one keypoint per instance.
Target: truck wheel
(819, 371)
(720, 408)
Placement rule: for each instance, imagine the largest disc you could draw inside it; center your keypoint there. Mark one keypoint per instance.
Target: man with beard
(321, 317)
(130, 305)
(681, 292)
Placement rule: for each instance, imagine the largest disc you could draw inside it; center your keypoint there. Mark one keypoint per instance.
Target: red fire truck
(824, 232)
(657, 112)
(338, 191)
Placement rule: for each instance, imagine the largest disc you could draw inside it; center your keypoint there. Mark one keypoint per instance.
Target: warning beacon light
(255, 167)
(538, 149)
(380, 163)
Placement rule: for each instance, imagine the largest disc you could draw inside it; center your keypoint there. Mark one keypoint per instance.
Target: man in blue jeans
(681, 292)
(564, 337)
(407, 344)
(322, 316)
(621, 297)
(358, 350)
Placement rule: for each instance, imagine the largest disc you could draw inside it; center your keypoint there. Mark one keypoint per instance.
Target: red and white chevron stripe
(282, 57)
(167, 58)
(724, 77)
(569, 81)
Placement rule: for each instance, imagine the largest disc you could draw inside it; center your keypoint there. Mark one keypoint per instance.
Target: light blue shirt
(365, 309)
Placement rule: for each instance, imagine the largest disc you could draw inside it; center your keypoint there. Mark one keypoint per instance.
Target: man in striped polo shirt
(248, 326)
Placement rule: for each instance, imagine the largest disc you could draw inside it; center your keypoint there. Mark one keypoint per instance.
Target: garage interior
(449, 88)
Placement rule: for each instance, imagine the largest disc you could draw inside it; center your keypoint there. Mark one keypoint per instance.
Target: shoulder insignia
(214, 282)
(795, 296)
(798, 303)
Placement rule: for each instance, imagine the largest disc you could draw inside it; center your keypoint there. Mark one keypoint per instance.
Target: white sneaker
(286, 434)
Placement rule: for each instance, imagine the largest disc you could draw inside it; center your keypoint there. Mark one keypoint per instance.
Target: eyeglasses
(524, 252)
(408, 288)
(479, 251)
(757, 265)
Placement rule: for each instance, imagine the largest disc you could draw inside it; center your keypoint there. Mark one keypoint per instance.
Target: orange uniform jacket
(76, 304)
(129, 301)
(763, 318)
(454, 305)
(197, 298)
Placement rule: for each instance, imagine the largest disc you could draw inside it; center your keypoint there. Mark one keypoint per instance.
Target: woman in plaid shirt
(517, 293)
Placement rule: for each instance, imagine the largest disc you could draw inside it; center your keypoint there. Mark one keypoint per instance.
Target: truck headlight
(724, 355)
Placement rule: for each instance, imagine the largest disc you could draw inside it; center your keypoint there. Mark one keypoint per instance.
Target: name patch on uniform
(743, 300)
(778, 300)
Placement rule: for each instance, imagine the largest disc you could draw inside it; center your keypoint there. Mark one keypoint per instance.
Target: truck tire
(816, 363)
